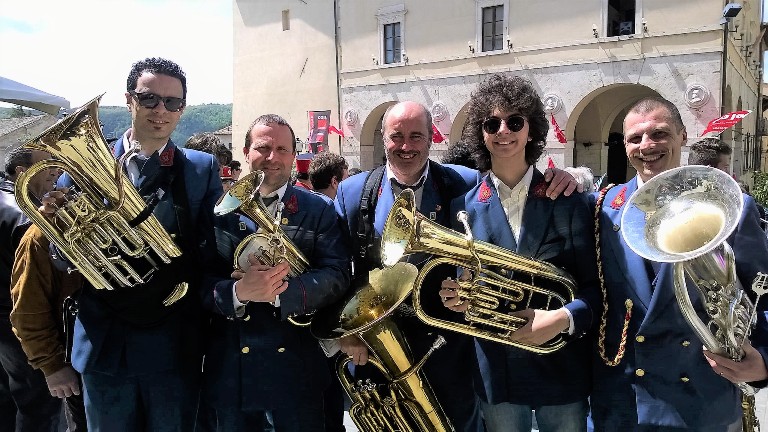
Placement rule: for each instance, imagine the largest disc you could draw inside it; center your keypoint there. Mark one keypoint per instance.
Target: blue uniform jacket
(559, 232)
(104, 343)
(453, 390)
(664, 380)
(260, 361)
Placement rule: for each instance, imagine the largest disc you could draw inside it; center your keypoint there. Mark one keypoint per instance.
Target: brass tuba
(106, 223)
(684, 216)
(270, 243)
(492, 295)
(406, 401)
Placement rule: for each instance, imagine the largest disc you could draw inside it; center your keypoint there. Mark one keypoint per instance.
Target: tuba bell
(684, 216)
(406, 401)
(270, 244)
(492, 295)
(105, 228)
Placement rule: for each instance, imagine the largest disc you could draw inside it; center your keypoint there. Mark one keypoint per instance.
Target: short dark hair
(264, 120)
(459, 153)
(19, 156)
(512, 94)
(325, 167)
(235, 165)
(708, 152)
(156, 65)
(207, 142)
(648, 104)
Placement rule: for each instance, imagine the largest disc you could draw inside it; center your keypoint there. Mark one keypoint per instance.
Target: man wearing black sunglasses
(506, 132)
(140, 360)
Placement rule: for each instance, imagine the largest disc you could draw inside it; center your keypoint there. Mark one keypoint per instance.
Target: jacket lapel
(292, 213)
(493, 225)
(631, 265)
(384, 204)
(536, 216)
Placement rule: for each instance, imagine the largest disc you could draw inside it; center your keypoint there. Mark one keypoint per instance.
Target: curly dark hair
(156, 65)
(512, 94)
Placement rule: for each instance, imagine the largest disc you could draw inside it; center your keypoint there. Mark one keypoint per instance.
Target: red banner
(318, 130)
(718, 125)
(437, 137)
(559, 134)
(333, 129)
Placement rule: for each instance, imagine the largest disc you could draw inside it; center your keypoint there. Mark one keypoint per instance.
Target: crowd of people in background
(210, 342)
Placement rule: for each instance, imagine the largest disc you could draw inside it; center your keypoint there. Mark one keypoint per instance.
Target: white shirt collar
(520, 189)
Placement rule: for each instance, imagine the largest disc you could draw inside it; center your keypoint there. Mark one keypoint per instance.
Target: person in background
(459, 153)
(711, 152)
(257, 361)
(506, 133)
(236, 169)
(584, 176)
(354, 171)
(326, 171)
(31, 406)
(651, 371)
(302, 170)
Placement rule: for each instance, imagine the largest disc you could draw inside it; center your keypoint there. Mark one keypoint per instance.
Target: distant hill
(196, 118)
(116, 119)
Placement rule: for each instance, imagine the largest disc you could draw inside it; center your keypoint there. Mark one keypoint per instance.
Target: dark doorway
(617, 159)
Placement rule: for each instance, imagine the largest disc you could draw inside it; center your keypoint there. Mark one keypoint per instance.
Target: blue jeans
(506, 417)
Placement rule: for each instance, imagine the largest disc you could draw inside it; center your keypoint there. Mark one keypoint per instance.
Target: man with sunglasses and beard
(141, 360)
(407, 132)
(506, 132)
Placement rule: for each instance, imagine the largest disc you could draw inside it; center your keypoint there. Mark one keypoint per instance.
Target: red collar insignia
(166, 157)
(484, 194)
(620, 199)
(540, 190)
(292, 206)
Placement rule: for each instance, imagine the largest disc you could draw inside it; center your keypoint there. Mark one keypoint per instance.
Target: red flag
(550, 163)
(558, 132)
(437, 137)
(718, 125)
(332, 129)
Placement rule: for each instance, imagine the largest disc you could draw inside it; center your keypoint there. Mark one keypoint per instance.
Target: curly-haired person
(506, 134)
(326, 171)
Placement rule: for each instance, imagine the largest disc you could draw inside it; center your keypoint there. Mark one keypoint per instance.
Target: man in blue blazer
(140, 360)
(506, 132)
(659, 379)
(257, 361)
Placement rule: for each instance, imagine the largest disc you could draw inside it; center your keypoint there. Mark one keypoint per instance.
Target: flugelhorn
(405, 402)
(493, 294)
(104, 229)
(684, 216)
(269, 244)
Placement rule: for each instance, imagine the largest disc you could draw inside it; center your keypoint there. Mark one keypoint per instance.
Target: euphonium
(492, 295)
(684, 216)
(106, 225)
(405, 403)
(270, 244)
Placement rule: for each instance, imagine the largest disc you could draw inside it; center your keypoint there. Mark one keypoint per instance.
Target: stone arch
(371, 141)
(596, 118)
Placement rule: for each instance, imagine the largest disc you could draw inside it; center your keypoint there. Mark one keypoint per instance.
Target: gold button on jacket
(246, 350)
(639, 372)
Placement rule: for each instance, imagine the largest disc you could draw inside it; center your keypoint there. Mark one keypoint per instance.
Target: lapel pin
(242, 226)
(616, 227)
(438, 207)
(432, 216)
(284, 221)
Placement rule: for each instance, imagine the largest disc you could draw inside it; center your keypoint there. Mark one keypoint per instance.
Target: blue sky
(81, 49)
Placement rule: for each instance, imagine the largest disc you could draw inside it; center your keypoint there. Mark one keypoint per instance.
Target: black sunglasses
(514, 122)
(151, 100)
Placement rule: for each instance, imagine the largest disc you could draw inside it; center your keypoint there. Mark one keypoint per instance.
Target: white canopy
(20, 94)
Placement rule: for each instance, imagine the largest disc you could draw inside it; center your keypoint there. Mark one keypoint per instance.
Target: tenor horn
(405, 402)
(684, 216)
(105, 228)
(270, 244)
(503, 281)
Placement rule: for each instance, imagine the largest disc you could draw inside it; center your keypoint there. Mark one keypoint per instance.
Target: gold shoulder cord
(628, 303)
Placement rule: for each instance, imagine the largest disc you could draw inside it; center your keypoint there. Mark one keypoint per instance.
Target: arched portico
(371, 141)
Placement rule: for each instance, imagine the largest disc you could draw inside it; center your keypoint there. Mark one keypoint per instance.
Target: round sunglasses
(514, 122)
(151, 100)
